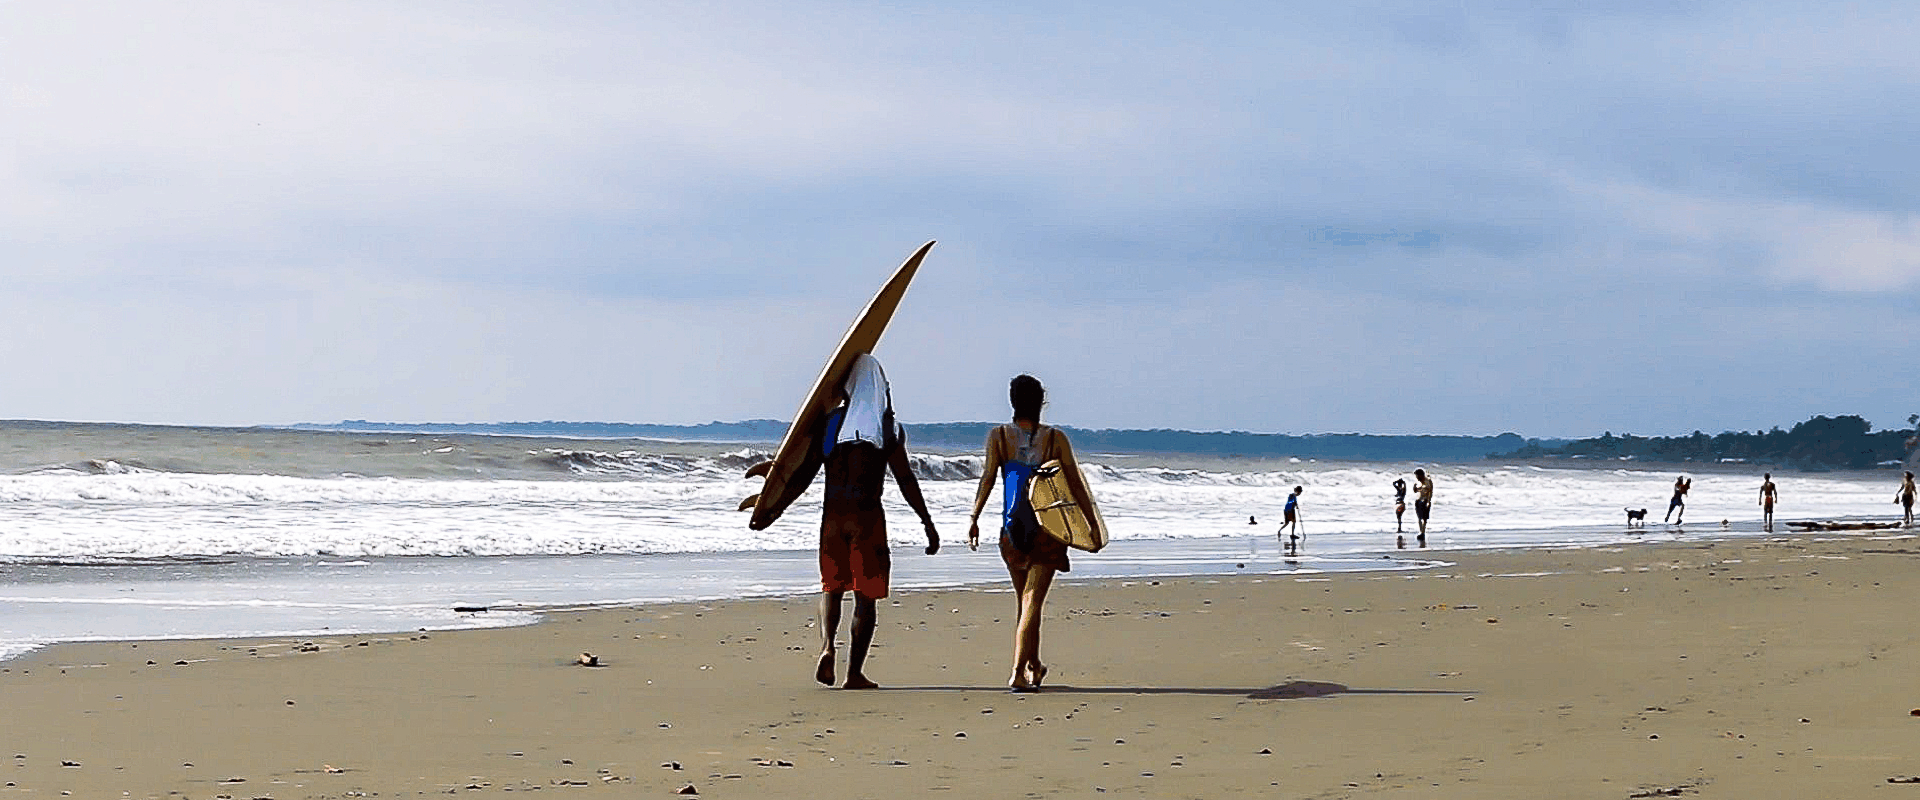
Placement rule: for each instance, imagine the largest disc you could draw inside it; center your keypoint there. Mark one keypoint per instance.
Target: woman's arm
(989, 470)
(1076, 483)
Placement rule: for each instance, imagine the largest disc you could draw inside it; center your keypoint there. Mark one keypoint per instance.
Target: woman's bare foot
(1019, 683)
(1036, 674)
(824, 672)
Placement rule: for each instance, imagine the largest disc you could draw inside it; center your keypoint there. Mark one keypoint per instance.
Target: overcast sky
(1301, 218)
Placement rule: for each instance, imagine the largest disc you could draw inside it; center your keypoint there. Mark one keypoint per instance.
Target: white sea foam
(681, 507)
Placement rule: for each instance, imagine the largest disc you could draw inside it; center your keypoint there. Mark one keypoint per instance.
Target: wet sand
(1779, 667)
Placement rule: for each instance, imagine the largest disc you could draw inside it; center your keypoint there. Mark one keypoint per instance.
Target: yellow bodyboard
(1062, 516)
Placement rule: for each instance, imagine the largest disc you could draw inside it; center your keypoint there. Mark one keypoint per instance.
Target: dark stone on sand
(1298, 689)
(688, 789)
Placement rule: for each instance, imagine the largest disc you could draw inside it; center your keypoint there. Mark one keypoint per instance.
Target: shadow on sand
(1292, 690)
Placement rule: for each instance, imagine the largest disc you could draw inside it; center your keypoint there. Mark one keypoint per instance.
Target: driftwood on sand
(1842, 525)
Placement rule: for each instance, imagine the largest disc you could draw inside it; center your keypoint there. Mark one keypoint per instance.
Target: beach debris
(69, 763)
(1832, 525)
(306, 647)
(1914, 713)
(672, 765)
(1663, 791)
(688, 789)
(588, 660)
(1265, 751)
(1904, 779)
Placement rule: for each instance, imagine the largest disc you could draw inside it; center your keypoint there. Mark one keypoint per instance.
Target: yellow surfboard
(1074, 521)
(861, 337)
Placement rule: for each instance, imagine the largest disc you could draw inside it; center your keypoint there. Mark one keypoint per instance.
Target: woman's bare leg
(1026, 642)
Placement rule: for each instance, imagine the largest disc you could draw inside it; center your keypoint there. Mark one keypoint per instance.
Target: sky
(1375, 217)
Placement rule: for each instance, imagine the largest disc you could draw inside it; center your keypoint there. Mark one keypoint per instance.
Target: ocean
(111, 532)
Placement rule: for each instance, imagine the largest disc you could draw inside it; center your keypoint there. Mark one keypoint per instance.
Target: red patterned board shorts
(854, 556)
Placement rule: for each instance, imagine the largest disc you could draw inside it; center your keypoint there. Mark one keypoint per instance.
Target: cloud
(1230, 213)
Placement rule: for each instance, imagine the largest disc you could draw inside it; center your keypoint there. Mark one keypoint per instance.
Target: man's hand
(933, 537)
(973, 535)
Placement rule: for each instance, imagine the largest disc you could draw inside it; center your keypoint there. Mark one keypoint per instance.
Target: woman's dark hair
(1027, 396)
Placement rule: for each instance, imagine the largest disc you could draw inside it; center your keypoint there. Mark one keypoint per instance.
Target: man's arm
(910, 487)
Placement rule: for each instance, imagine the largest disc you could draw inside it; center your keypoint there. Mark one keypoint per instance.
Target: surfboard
(1061, 515)
(862, 335)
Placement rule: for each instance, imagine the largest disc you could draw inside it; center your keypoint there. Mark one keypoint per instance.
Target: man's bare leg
(865, 616)
(829, 625)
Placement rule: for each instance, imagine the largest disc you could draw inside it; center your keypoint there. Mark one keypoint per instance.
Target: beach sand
(1757, 668)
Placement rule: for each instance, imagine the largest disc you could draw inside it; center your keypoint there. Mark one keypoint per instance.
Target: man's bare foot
(858, 681)
(824, 672)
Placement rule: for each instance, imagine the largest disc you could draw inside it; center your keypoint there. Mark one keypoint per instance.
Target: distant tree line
(1843, 442)
(966, 436)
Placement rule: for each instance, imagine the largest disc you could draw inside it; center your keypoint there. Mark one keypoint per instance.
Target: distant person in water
(1291, 540)
(859, 444)
(1679, 501)
(1767, 497)
(1422, 501)
(1399, 512)
(1905, 498)
(1032, 555)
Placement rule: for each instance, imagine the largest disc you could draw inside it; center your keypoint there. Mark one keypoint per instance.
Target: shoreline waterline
(45, 604)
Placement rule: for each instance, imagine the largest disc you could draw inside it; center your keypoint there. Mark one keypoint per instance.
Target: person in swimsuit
(1032, 556)
(1905, 498)
(1767, 497)
(860, 442)
(1679, 501)
(1292, 543)
(1422, 501)
(1399, 512)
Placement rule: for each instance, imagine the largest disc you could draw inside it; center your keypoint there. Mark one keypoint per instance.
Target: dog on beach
(1636, 515)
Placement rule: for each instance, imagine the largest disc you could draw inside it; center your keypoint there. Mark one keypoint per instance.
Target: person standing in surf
(1032, 555)
(1399, 512)
(1291, 541)
(1422, 501)
(1679, 501)
(1768, 494)
(861, 442)
(1905, 498)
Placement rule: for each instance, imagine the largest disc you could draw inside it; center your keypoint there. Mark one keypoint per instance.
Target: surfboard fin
(749, 503)
(760, 470)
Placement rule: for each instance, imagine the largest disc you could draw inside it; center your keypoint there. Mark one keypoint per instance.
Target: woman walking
(1032, 556)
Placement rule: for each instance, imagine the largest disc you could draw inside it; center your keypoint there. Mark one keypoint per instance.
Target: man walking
(859, 444)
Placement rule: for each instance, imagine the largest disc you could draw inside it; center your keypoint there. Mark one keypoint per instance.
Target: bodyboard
(802, 434)
(1062, 516)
